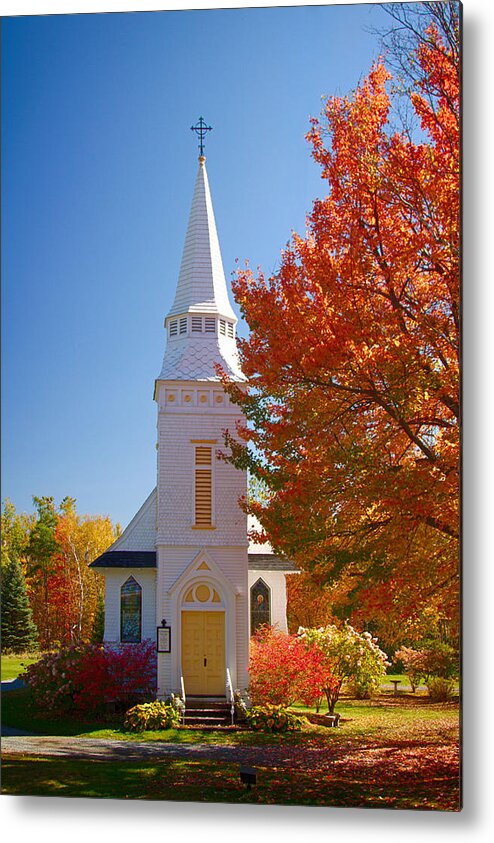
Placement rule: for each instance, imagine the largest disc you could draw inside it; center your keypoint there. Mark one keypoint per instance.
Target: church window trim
(209, 325)
(260, 604)
(131, 611)
(223, 327)
(230, 330)
(196, 324)
(174, 328)
(183, 325)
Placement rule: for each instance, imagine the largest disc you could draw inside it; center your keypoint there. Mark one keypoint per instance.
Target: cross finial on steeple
(200, 129)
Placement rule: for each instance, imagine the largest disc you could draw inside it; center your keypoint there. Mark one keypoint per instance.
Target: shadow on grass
(19, 712)
(209, 781)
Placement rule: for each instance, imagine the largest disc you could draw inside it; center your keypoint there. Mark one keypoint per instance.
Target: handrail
(229, 693)
(182, 685)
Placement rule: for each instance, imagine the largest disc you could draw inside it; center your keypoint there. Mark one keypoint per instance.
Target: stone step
(206, 721)
(206, 702)
(207, 712)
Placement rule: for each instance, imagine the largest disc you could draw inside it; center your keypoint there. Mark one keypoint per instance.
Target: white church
(183, 573)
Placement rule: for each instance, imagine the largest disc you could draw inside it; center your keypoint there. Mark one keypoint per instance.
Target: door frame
(213, 576)
(208, 611)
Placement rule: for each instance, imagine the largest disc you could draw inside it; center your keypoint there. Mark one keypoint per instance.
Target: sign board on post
(163, 638)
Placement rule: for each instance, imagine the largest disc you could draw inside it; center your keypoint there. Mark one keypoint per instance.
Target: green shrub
(441, 659)
(364, 690)
(151, 716)
(273, 718)
(440, 689)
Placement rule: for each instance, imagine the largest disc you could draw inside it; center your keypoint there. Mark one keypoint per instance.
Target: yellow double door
(203, 653)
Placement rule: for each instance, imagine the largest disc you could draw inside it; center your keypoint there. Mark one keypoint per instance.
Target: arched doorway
(203, 640)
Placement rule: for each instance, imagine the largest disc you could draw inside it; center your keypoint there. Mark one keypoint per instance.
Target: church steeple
(201, 323)
(201, 284)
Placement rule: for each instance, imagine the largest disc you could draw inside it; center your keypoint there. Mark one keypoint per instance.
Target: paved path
(117, 750)
(12, 684)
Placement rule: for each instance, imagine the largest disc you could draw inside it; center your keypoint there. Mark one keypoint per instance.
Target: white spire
(201, 323)
(201, 284)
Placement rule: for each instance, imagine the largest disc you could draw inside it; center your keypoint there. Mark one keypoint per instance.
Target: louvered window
(209, 325)
(183, 325)
(203, 487)
(230, 329)
(197, 324)
(173, 328)
(222, 326)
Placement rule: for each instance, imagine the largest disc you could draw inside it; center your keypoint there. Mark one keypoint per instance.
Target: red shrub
(90, 676)
(284, 669)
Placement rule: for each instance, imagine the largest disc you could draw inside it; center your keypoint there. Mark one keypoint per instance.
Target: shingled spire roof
(201, 284)
(201, 323)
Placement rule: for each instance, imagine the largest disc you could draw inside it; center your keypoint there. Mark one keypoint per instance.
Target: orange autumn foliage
(353, 356)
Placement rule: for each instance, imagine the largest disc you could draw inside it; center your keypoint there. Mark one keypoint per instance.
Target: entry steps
(212, 712)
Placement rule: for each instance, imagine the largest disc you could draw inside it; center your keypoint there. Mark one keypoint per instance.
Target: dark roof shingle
(125, 559)
(147, 559)
(270, 562)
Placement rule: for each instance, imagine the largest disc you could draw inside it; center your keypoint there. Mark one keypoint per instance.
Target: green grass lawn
(343, 785)
(382, 719)
(12, 666)
(393, 752)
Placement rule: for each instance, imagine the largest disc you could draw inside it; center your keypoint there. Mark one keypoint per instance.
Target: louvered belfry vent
(203, 487)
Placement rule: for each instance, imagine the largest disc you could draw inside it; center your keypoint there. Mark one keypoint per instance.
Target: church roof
(147, 559)
(191, 359)
(201, 322)
(125, 559)
(270, 562)
(201, 284)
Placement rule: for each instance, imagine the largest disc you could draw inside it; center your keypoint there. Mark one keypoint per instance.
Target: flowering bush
(434, 660)
(89, 676)
(240, 707)
(153, 715)
(178, 704)
(284, 669)
(273, 718)
(353, 656)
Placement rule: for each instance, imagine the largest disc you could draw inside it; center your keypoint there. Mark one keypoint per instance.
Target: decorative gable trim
(201, 562)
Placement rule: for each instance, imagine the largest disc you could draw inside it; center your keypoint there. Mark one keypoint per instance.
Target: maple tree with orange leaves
(352, 408)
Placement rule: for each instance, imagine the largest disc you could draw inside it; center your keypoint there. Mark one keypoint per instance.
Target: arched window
(130, 612)
(260, 605)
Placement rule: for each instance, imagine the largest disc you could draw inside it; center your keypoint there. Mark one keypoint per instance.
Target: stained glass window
(130, 611)
(260, 605)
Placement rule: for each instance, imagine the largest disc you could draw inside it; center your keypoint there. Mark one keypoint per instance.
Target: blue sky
(98, 168)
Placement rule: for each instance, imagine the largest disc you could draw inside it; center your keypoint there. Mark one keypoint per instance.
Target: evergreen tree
(19, 633)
